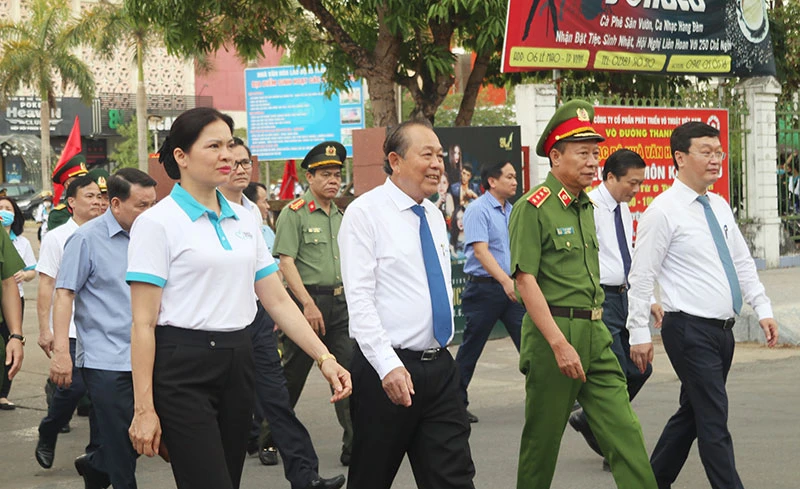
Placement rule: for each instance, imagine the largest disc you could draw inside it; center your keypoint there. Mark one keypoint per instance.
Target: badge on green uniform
(314, 230)
(565, 231)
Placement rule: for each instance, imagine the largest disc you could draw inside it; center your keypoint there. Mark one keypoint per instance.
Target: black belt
(422, 355)
(333, 290)
(616, 289)
(573, 313)
(481, 280)
(203, 338)
(724, 324)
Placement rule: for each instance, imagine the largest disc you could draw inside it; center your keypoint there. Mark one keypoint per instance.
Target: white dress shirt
(612, 271)
(384, 277)
(674, 246)
(50, 254)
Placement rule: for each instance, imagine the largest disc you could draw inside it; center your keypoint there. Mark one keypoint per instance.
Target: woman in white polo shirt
(192, 263)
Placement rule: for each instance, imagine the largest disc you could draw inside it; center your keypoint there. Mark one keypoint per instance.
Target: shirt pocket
(567, 252)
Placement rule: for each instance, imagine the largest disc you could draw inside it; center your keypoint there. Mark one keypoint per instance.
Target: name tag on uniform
(565, 231)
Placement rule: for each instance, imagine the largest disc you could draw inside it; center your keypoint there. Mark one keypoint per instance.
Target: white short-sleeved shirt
(25, 250)
(205, 264)
(50, 254)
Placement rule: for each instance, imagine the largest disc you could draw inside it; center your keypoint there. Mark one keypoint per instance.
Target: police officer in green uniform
(306, 243)
(10, 307)
(565, 347)
(64, 175)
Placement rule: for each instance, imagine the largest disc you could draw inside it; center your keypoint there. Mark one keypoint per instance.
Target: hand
(61, 369)
(399, 387)
(642, 355)
(339, 379)
(145, 432)
(45, 342)
(569, 362)
(770, 327)
(658, 314)
(508, 288)
(14, 355)
(314, 317)
(19, 277)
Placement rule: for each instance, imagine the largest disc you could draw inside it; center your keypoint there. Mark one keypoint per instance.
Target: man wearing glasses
(689, 242)
(306, 243)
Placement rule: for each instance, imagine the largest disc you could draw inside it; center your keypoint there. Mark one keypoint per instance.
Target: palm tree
(38, 51)
(120, 26)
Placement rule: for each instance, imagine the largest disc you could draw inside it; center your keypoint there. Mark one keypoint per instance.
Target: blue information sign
(288, 113)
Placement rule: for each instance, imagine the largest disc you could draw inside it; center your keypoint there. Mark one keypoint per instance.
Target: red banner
(646, 130)
(671, 37)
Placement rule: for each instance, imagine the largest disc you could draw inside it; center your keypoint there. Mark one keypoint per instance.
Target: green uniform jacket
(58, 216)
(553, 238)
(10, 261)
(308, 235)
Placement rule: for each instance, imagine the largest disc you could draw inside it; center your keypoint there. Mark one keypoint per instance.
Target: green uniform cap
(324, 154)
(571, 122)
(100, 176)
(75, 167)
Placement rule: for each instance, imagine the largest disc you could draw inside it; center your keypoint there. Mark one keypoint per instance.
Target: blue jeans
(483, 305)
(112, 412)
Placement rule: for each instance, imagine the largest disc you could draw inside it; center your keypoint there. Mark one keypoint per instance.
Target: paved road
(764, 398)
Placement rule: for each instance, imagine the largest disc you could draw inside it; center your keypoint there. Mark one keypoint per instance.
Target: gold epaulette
(297, 204)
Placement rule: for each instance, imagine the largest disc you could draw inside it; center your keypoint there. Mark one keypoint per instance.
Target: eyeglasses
(719, 155)
(245, 164)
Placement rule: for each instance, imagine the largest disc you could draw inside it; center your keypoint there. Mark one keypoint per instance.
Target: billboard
(671, 37)
(288, 112)
(646, 130)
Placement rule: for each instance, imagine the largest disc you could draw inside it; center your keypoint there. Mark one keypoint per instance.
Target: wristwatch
(17, 337)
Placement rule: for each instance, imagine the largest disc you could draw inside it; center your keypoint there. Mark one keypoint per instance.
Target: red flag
(289, 180)
(72, 148)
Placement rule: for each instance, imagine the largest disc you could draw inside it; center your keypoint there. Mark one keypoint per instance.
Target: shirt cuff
(266, 271)
(764, 311)
(640, 336)
(388, 362)
(146, 278)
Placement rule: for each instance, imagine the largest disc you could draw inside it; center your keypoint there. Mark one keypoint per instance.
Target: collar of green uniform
(555, 186)
(308, 197)
(195, 209)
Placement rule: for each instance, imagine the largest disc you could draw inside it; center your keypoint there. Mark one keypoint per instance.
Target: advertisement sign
(23, 115)
(466, 151)
(646, 130)
(288, 113)
(693, 37)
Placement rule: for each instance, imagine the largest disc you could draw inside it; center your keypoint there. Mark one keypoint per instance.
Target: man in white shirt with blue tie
(396, 273)
(689, 242)
(623, 173)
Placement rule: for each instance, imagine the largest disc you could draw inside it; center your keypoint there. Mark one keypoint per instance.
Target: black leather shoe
(268, 456)
(65, 429)
(92, 478)
(579, 424)
(344, 458)
(471, 417)
(332, 483)
(606, 465)
(45, 452)
(252, 447)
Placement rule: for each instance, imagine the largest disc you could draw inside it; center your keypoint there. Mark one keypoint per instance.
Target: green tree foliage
(386, 42)
(126, 152)
(784, 26)
(38, 53)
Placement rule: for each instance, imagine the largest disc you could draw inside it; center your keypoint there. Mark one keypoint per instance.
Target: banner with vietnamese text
(672, 37)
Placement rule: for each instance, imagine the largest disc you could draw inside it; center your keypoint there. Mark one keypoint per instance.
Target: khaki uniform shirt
(553, 238)
(309, 235)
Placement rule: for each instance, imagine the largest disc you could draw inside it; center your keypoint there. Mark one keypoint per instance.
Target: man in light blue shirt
(92, 275)
(489, 295)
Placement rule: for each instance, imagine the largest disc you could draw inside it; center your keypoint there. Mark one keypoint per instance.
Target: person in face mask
(14, 223)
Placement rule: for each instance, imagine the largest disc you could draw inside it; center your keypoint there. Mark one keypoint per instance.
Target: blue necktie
(440, 303)
(724, 254)
(622, 242)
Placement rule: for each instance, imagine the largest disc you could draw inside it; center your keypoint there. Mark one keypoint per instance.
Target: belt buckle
(597, 313)
(338, 290)
(430, 354)
(729, 323)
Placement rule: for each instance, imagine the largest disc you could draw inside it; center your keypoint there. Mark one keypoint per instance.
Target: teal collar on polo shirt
(195, 209)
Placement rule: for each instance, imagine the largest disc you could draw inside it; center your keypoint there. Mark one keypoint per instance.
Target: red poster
(646, 130)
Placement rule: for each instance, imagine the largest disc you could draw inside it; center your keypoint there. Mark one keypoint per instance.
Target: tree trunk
(380, 83)
(141, 112)
(467, 108)
(45, 135)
